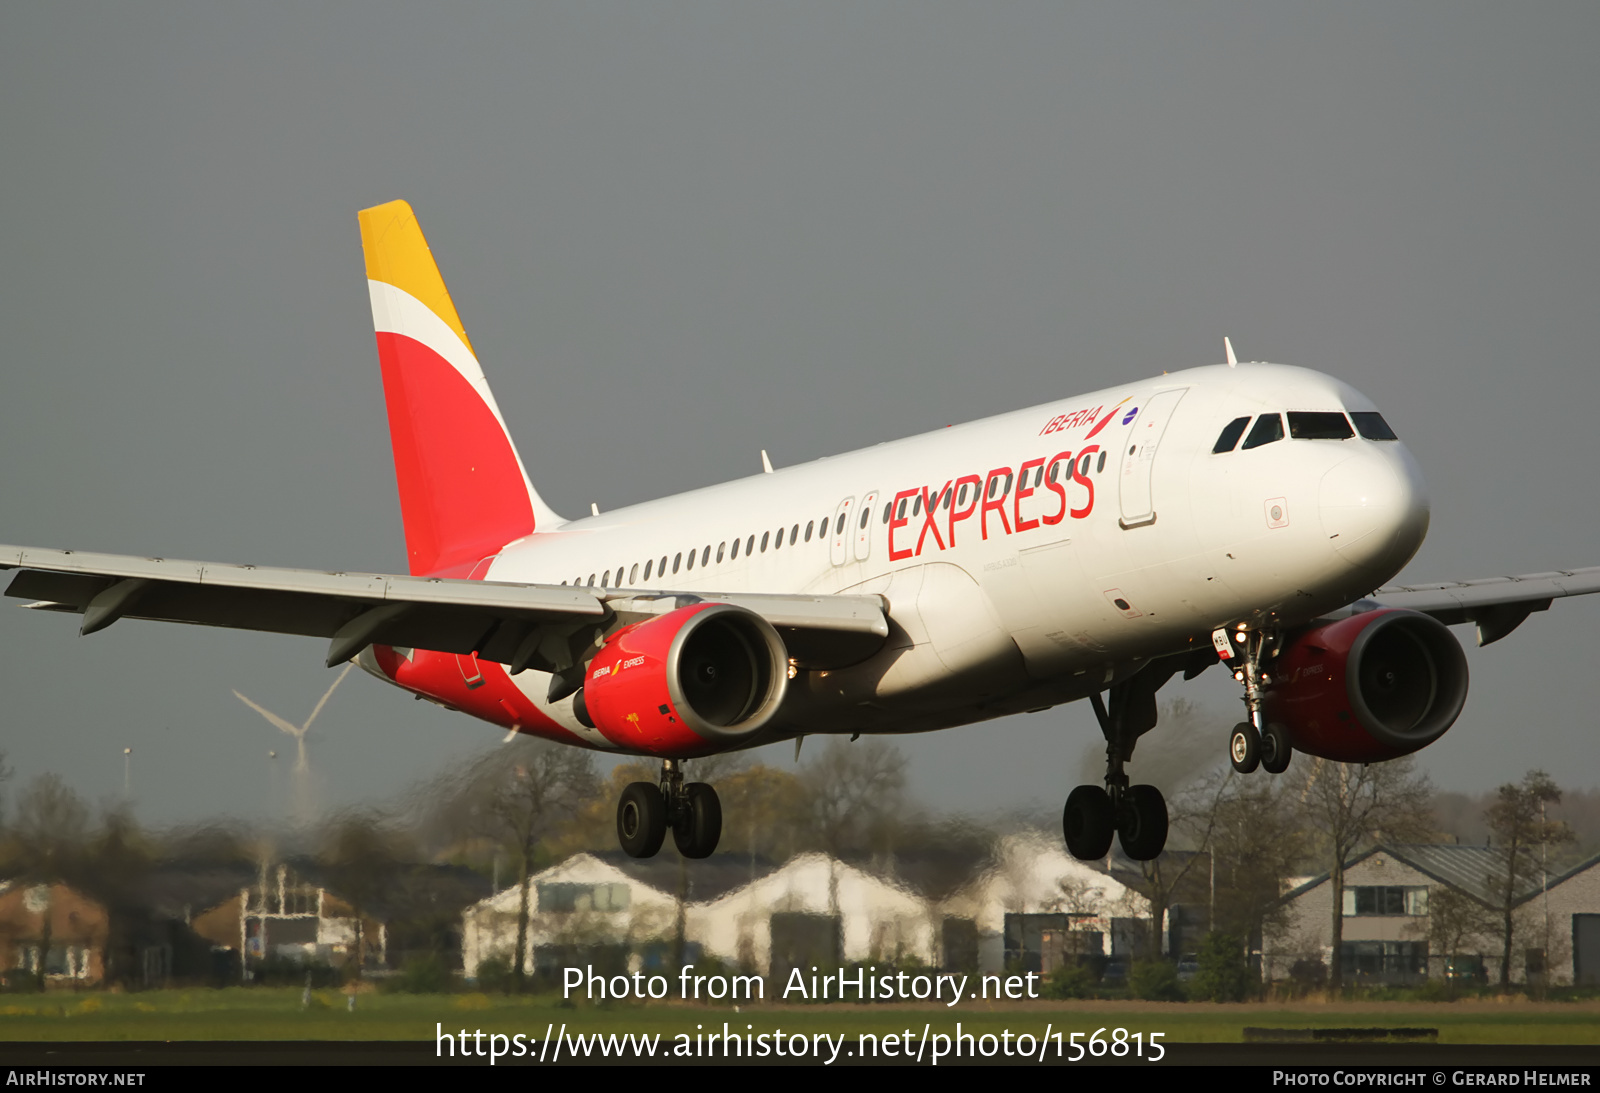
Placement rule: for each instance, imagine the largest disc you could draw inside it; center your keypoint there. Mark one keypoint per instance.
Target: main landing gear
(646, 811)
(1135, 814)
(1254, 742)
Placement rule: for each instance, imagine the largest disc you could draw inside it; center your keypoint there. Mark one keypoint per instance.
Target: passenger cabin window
(1268, 428)
(677, 560)
(1101, 466)
(1371, 426)
(1231, 433)
(722, 548)
(1318, 425)
(766, 536)
(794, 534)
(633, 574)
(809, 525)
(648, 566)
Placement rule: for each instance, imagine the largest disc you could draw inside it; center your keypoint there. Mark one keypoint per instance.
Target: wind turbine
(302, 765)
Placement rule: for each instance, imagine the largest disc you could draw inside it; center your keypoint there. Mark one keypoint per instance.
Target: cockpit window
(1231, 433)
(1318, 425)
(1370, 424)
(1268, 427)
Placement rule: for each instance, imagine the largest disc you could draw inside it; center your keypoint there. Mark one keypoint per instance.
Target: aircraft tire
(699, 825)
(1276, 751)
(1244, 748)
(1142, 825)
(1088, 823)
(641, 820)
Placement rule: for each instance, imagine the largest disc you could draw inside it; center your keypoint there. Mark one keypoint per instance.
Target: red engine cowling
(695, 681)
(1371, 687)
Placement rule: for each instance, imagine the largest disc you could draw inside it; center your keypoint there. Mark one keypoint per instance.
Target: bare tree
(1255, 846)
(363, 854)
(763, 812)
(1192, 815)
(1455, 921)
(1345, 806)
(1517, 819)
(5, 777)
(528, 791)
(855, 792)
(51, 829)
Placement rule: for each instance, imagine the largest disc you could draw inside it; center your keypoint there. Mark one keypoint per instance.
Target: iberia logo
(1063, 422)
(1092, 433)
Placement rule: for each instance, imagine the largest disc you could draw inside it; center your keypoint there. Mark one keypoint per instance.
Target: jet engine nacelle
(1371, 687)
(695, 681)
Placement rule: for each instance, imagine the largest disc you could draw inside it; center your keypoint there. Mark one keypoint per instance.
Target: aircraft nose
(1374, 509)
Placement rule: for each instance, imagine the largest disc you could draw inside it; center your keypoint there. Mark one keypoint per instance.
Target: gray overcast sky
(680, 232)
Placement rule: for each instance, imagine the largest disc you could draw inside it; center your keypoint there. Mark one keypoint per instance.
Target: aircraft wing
(537, 626)
(1497, 605)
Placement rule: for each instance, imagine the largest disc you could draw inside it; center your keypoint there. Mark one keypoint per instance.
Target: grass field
(278, 1014)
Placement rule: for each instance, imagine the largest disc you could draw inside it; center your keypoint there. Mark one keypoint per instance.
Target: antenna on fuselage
(766, 464)
(1227, 346)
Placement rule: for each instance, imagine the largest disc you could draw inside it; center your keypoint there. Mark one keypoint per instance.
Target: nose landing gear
(692, 811)
(1254, 742)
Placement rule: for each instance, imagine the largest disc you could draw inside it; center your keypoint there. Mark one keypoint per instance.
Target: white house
(814, 909)
(1037, 904)
(582, 903)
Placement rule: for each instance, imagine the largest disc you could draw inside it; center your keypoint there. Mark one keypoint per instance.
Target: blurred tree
(855, 794)
(532, 788)
(1344, 806)
(593, 826)
(363, 856)
(1522, 832)
(5, 777)
(51, 830)
(1256, 845)
(1455, 922)
(763, 812)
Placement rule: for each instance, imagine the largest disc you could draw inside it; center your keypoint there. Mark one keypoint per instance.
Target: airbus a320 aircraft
(1087, 548)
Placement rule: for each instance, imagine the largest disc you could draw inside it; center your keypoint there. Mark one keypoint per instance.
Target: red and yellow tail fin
(464, 492)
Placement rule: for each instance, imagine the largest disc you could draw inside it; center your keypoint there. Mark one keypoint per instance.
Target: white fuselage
(1060, 577)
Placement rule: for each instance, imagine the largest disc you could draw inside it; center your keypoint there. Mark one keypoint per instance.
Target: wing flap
(494, 619)
(1497, 605)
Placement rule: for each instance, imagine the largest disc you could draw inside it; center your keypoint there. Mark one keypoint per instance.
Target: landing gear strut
(1254, 742)
(646, 811)
(1136, 814)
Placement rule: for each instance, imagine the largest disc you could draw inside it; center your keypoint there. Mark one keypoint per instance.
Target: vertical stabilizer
(464, 492)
